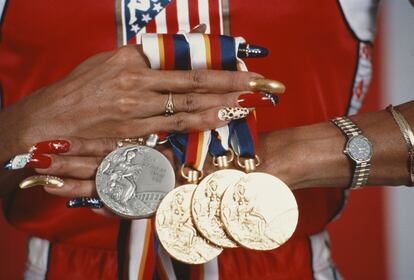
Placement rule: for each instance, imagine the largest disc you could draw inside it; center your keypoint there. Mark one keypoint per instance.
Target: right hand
(115, 94)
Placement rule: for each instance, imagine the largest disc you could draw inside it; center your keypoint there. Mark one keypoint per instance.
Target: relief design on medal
(176, 230)
(132, 180)
(206, 206)
(252, 217)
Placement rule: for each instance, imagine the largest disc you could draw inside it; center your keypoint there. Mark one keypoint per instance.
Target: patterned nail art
(18, 162)
(232, 113)
(85, 202)
(51, 147)
(29, 160)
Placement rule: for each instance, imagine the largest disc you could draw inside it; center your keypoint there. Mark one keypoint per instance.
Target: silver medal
(131, 181)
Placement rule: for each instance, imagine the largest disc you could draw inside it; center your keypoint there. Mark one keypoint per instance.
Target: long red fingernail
(39, 161)
(51, 147)
(257, 99)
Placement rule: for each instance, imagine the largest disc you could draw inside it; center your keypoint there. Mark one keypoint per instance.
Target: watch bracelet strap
(361, 175)
(361, 170)
(347, 126)
(408, 136)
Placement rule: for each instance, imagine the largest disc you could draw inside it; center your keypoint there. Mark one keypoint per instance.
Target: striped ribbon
(200, 51)
(146, 259)
(219, 141)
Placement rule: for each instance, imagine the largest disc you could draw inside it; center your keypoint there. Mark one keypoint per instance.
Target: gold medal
(259, 212)
(205, 206)
(176, 230)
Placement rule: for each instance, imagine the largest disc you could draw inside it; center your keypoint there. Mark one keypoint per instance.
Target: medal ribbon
(185, 52)
(219, 141)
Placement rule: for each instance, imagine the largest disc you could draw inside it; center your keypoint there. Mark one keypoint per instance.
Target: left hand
(77, 167)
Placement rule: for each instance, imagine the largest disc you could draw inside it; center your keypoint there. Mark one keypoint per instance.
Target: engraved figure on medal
(206, 206)
(259, 211)
(176, 230)
(131, 181)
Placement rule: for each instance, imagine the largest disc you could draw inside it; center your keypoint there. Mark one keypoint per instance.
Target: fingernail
(85, 202)
(51, 147)
(232, 113)
(201, 25)
(257, 99)
(39, 161)
(18, 162)
(270, 86)
(41, 180)
(251, 51)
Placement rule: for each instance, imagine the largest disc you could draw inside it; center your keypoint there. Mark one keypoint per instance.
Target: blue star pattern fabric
(138, 13)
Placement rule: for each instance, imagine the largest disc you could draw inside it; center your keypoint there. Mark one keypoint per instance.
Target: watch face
(359, 148)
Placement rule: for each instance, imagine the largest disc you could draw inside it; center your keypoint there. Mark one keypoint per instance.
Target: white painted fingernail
(232, 113)
(18, 162)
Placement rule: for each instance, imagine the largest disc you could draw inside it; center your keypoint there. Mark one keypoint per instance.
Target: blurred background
(374, 237)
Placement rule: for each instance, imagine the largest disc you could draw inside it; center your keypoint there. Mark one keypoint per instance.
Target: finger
(105, 212)
(72, 166)
(74, 188)
(188, 122)
(191, 102)
(76, 146)
(97, 147)
(202, 81)
(180, 122)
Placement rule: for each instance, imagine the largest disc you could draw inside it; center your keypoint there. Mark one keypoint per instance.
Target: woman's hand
(115, 94)
(75, 161)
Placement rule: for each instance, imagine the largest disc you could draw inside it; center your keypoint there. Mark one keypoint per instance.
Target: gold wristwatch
(358, 148)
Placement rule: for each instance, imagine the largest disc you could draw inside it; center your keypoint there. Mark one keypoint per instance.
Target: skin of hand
(303, 157)
(78, 166)
(312, 156)
(115, 94)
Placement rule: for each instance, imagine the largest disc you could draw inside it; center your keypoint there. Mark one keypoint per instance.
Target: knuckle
(124, 54)
(58, 164)
(230, 100)
(180, 122)
(189, 103)
(108, 145)
(124, 105)
(197, 78)
(234, 80)
(125, 79)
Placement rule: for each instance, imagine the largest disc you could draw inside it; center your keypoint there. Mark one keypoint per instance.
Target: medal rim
(213, 246)
(248, 246)
(115, 211)
(229, 237)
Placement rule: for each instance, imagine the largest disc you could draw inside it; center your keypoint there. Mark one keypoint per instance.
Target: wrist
(309, 156)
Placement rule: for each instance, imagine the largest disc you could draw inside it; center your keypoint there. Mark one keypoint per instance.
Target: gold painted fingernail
(266, 85)
(41, 180)
(232, 113)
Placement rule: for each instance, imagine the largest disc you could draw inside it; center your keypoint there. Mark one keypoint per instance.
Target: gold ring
(169, 106)
(41, 180)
